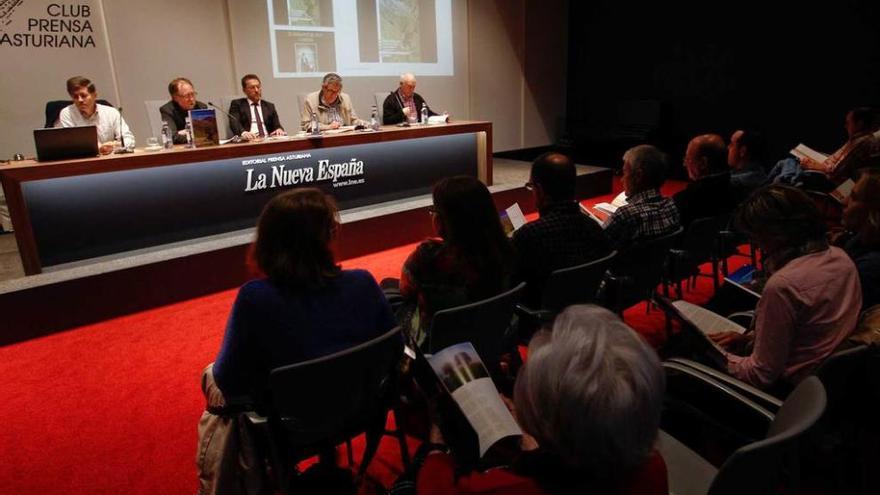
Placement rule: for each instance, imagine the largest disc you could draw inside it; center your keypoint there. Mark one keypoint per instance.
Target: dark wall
(792, 71)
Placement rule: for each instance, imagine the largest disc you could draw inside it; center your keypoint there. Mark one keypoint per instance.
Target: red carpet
(112, 407)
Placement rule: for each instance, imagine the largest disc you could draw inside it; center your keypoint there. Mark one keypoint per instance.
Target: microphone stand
(233, 139)
(122, 148)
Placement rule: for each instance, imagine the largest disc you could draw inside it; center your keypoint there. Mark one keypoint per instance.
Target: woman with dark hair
(471, 260)
(306, 307)
(861, 219)
(812, 298)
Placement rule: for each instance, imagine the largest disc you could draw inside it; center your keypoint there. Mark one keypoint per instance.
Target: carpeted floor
(112, 407)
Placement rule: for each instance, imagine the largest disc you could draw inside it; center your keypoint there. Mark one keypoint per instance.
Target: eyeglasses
(189, 95)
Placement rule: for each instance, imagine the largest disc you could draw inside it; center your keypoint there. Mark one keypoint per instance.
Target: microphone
(234, 139)
(122, 149)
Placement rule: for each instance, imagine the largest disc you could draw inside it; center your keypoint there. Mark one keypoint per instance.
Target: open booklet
(707, 323)
(842, 192)
(802, 151)
(610, 208)
(465, 378)
(512, 219)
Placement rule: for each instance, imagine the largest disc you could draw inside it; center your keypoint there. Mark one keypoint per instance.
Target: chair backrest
(575, 285)
(759, 466)
(483, 324)
(223, 117)
(643, 264)
(155, 116)
(843, 375)
(331, 398)
(700, 239)
(379, 99)
(301, 103)
(54, 107)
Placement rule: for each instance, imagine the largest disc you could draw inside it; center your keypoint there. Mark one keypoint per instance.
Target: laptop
(61, 143)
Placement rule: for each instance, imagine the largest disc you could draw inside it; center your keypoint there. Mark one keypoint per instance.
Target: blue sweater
(270, 327)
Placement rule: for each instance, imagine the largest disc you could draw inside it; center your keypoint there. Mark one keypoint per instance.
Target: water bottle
(314, 126)
(167, 139)
(424, 113)
(374, 119)
(189, 133)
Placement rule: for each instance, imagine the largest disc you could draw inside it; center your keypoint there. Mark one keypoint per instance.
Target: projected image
(305, 52)
(361, 37)
(304, 12)
(399, 30)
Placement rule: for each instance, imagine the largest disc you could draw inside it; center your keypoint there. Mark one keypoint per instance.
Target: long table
(73, 210)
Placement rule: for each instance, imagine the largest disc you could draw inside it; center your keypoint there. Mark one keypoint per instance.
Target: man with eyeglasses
(183, 99)
(252, 117)
(332, 107)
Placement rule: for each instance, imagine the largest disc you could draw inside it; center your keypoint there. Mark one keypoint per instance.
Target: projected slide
(309, 38)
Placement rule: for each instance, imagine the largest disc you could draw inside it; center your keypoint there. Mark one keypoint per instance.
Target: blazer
(392, 108)
(240, 116)
(176, 118)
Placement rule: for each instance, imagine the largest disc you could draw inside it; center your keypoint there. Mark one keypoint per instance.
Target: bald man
(709, 193)
(404, 103)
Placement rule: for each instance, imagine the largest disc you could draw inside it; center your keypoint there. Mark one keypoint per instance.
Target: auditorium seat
(54, 107)
(155, 117)
(637, 271)
(321, 403)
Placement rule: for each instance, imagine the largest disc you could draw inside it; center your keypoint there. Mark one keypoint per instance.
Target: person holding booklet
(562, 236)
(861, 239)
(811, 301)
(599, 445)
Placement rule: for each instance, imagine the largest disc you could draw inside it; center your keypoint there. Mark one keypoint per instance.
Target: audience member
(333, 107)
(647, 214)
(589, 401)
(86, 111)
(471, 260)
(861, 146)
(563, 236)
(404, 104)
(745, 156)
(175, 112)
(708, 194)
(306, 306)
(811, 301)
(861, 219)
(253, 117)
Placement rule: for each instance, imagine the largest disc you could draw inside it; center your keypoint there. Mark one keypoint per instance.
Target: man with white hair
(404, 104)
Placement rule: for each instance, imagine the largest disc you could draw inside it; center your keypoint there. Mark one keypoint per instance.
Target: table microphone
(122, 149)
(234, 139)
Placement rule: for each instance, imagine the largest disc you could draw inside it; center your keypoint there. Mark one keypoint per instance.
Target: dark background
(792, 70)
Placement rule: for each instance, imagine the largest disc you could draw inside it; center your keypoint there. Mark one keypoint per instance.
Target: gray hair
(331, 78)
(591, 392)
(649, 163)
(407, 76)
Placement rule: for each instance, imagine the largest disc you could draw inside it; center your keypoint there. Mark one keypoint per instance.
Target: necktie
(260, 128)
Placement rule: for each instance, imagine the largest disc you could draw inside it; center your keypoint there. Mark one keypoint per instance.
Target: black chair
(566, 286)
(54, 107)
(762, 466)
(699, 244)
(637, 271)
(319, 404)
(485, 324)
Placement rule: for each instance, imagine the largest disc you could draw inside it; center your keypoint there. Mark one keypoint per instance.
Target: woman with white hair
(589, 399)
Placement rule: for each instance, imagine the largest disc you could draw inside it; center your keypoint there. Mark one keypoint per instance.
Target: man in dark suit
(404, 104)
(183, 99)
(709, 193)
(253, 117)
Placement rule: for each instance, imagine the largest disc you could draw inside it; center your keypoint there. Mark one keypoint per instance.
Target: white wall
(506, 72)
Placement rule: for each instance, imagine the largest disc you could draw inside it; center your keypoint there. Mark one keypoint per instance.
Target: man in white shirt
(85, 110)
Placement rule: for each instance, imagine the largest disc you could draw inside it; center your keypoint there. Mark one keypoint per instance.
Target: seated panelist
(333, 107)
(86, 111)
(175, 112)
(253, 117)
(404, 104)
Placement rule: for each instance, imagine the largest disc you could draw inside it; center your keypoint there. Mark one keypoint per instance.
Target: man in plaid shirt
(647, 214)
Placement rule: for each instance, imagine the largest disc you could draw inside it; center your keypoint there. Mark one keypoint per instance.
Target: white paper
(516, 216)
(606, 208)
(619, 200)
(465, 378)
(707, 321)
(437, 119)
(843, 191)
(340, 130)
(803, 151)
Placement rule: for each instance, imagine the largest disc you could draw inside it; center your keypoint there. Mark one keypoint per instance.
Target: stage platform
(82, 292)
